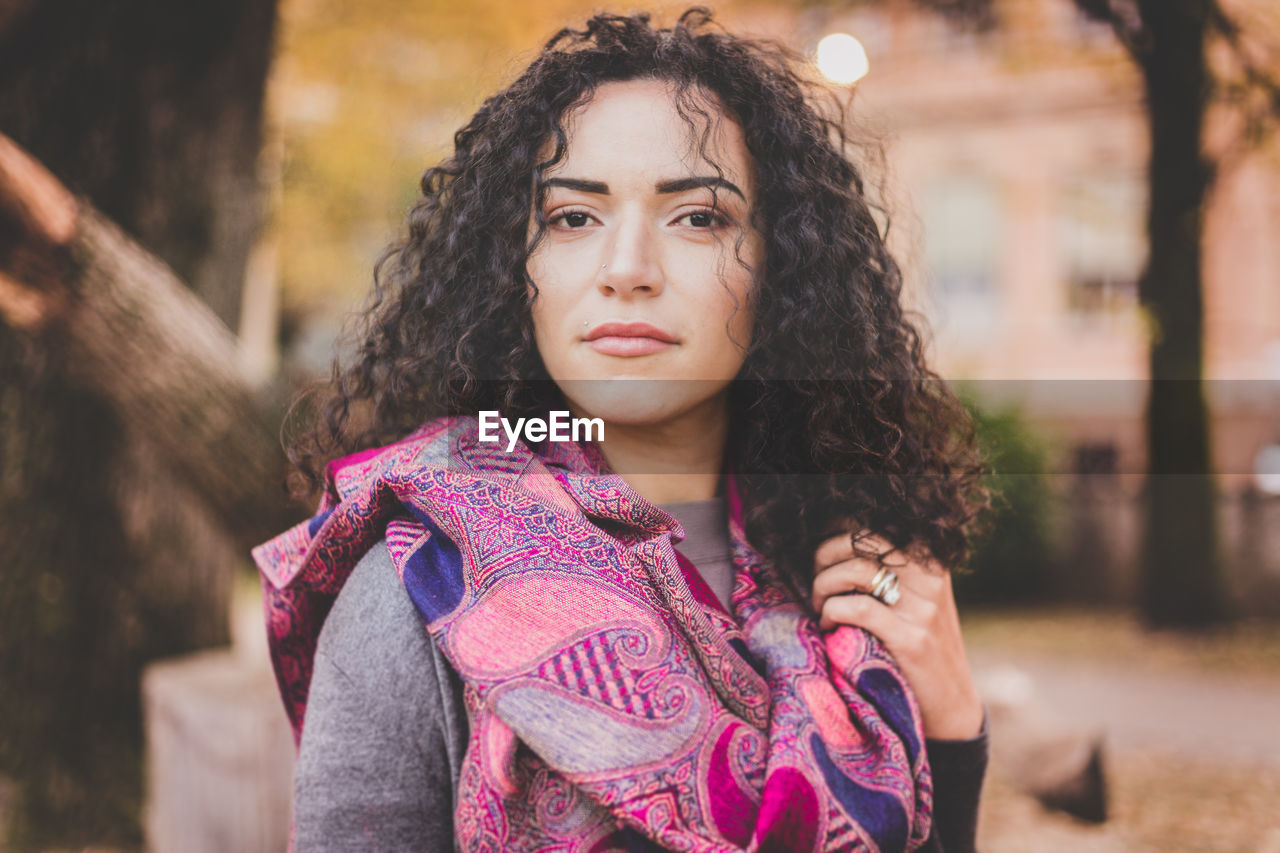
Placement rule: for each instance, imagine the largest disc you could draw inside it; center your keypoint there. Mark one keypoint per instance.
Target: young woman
(724, 623)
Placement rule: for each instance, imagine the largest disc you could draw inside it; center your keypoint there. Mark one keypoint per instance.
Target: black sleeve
(959, 767)
(375, 763)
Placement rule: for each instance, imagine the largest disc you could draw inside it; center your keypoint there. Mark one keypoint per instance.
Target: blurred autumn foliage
(364, 97)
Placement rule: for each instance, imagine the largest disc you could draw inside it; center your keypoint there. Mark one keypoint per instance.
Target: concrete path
(1221, 718)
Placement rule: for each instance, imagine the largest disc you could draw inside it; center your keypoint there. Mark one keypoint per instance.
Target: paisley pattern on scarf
(614, 703)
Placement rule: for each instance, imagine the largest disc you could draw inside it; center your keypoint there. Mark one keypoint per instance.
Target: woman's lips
(628, 339)
(624, 346)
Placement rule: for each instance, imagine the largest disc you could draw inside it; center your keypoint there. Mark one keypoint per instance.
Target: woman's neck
(676, 460)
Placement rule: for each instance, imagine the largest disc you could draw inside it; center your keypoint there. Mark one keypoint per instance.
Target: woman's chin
(638, 401)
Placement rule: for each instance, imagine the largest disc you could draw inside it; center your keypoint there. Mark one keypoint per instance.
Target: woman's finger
(916, 602)
(839, 548)
(849, 576)
(865, 612)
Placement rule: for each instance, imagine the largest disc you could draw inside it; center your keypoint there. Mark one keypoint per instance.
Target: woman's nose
(631, 265)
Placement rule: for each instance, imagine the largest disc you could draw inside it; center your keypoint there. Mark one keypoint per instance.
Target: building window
(1103, 246)
(962, 225)
(1091, 459)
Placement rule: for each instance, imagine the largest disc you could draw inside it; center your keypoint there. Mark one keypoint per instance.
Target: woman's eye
(703, 219)
(571, 219)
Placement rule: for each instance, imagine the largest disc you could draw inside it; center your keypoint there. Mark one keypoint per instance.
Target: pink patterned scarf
(614, 703)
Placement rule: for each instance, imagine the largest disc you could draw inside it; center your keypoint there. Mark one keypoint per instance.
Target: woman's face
(637, 276)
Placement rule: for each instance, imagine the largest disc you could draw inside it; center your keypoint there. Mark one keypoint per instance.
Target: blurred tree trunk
(1180, 569)
(152, 110)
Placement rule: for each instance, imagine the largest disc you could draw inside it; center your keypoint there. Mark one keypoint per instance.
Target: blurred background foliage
(363, 98)
(1012, 556)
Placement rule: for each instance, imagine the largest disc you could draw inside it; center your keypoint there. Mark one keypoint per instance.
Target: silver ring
(884, 586)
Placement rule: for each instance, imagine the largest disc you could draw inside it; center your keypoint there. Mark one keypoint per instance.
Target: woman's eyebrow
(677, 185)
(597, 187)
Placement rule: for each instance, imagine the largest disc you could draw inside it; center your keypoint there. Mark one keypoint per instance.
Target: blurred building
(1017, 197)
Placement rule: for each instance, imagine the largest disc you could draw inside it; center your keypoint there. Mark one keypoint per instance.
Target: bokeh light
(842, 59)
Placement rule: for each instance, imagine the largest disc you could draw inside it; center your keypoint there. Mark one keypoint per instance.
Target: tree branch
(1125, 21)
(138, 336)
(978, 14)
(1259, 76)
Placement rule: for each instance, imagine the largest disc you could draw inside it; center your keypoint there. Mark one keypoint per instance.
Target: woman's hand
(921, 630)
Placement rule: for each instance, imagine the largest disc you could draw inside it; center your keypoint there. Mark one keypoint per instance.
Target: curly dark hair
(839, 424)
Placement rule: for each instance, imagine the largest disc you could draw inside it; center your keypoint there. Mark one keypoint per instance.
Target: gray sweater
(386, 729)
